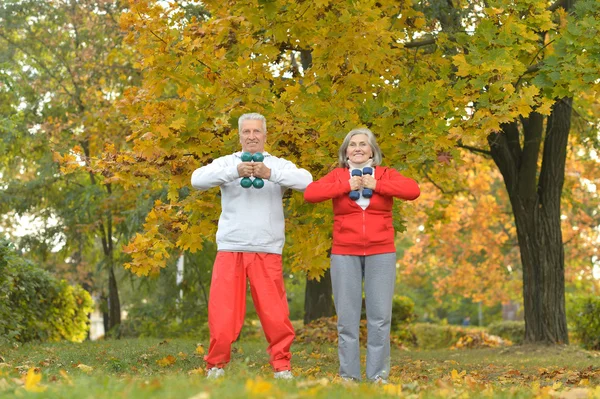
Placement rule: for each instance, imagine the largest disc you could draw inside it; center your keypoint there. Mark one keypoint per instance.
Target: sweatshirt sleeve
(327, 187)
(288, 175)
(218, 172)
(396, 185)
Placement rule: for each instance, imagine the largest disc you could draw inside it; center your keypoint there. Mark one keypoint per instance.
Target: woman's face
(359, 150)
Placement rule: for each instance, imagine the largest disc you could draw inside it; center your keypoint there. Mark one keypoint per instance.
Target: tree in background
(63, 67)
(425, 76)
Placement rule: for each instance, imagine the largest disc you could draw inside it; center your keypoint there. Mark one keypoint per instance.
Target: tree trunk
(318, 298)
(114, 304)
(536, 207)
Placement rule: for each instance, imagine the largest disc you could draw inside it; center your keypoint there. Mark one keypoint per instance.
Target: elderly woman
(363, 248)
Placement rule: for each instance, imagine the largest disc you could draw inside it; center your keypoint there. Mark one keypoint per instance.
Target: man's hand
(369, 181)
(355, 183)
(245, 169)
(261, 170)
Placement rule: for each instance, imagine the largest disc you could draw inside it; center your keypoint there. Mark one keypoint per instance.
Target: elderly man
(250, 239)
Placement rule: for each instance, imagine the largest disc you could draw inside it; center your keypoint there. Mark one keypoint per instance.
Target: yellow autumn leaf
(258, 387)
(66, 377)
(200, 349)
(166, 361)
(32, 381)
(85, 368)
(163, 130)
(178, 124)
(456, 376)
(198, 371)
(394, 390)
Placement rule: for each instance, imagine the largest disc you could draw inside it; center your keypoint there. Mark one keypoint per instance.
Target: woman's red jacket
(357, 231)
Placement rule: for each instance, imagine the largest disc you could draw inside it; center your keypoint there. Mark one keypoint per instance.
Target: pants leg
(226, 307)
(346, 280)
(380, 278)
(268, 293)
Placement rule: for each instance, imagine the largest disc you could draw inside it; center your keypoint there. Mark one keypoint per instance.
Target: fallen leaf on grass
(456, 376)
(392, 389)
(258, 387)
(200, 349)
(198, 371)
(310, 383)
(577, 393)
(32, 381)
(85, 368)
(182, 356)
(66, 377)
(166, 361)
(4, 385)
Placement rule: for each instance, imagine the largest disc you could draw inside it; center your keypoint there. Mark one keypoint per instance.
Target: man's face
(252, 136)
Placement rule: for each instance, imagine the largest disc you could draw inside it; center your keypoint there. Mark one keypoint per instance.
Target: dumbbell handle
(355, 194)
(367, 192)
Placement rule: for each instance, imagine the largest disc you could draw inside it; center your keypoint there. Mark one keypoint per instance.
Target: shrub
(586, 321)
(403, 312)
(34, 305)
(511, 330)
(435, 336)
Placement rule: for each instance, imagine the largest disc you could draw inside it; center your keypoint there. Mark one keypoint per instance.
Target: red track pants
(227, 306)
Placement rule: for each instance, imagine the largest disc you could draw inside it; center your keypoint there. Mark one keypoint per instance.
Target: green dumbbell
(246, 157)
(258, 182)
(246, 182)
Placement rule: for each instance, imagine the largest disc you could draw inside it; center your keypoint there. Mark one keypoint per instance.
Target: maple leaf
(166, 361)
(32, 381)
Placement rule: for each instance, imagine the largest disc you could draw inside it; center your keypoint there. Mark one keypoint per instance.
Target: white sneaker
(215, 373)
(379, 380)
(284, 375)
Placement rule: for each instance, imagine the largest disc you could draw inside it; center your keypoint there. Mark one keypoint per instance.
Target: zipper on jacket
(364, 234)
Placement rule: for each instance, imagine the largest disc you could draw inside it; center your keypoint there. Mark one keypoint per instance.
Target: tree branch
(474, 149)
(560, 3)
(420, 43)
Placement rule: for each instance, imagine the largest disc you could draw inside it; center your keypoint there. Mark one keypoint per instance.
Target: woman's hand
(369, 181)
(355, 183)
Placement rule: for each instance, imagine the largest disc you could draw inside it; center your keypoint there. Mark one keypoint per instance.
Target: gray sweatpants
(379, 273)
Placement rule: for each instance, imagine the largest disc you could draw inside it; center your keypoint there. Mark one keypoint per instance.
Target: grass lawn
(152, 368)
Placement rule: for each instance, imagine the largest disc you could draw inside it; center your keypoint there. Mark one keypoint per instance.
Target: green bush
(34, 305)
(435, 336)
(586, 321)
(511, 330)
(403, 312)
(159, 319)
(156, 308)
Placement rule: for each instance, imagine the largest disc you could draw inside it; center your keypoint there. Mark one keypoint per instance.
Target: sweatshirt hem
(356, 250)
(249, 248)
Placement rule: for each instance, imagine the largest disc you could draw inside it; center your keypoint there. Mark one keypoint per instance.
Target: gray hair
(377, 156)
(252, 117)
